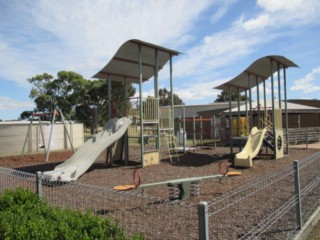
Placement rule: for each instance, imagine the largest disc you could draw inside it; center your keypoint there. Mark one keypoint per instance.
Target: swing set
(38, 116)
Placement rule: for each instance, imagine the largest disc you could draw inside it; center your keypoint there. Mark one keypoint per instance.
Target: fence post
(39, 184)
(201, 130)
(297, 194)
(307, 138)
(194, 129)
(203, 220)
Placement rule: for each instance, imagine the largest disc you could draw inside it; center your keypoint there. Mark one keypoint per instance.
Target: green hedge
(24, 216)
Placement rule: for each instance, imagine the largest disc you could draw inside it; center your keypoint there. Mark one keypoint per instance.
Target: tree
(96, 94)
(74, 95)
(63, 93)
(224, 97)
(165, 98)
(25, 115)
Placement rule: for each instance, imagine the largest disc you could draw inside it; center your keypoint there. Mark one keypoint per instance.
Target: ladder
(171, 146)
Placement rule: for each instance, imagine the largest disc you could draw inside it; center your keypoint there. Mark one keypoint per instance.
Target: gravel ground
(203, 162)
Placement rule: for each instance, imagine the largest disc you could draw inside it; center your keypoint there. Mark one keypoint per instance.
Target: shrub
(24, 216)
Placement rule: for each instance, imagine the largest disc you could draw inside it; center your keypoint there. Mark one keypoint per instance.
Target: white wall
(13, 135)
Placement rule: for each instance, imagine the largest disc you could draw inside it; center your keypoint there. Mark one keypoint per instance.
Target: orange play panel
(124, 187)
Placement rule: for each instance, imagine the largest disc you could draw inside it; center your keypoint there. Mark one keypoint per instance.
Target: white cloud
(7, 103)
(260, 22)
(221, 9)
(199, 91)
(50, 36)
(244, 37)
(307, 83)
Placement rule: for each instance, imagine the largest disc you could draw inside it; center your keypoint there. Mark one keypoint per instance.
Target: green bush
(24, 216)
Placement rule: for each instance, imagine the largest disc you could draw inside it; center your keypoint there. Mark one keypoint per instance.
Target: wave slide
(87, 154)
(251, 149)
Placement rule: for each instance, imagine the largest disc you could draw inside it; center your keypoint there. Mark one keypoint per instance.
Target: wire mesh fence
(12, 179)
(267, 208)
(264, 209)
(135, 212)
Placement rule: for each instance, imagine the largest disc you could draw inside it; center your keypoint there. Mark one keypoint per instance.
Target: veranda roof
(261, 68)
(125, 63)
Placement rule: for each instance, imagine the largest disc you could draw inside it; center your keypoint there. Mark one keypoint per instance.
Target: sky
(218, 38)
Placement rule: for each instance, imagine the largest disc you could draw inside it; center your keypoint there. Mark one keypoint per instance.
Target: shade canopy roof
(125, 63)
(292, 107)
(261, 69)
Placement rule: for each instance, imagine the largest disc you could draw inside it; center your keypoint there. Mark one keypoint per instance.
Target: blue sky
(219, 39)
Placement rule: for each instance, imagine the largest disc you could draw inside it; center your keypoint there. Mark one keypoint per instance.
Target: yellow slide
(253, 145)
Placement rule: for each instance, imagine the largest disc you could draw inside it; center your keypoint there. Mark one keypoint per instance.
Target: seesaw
(181, 188)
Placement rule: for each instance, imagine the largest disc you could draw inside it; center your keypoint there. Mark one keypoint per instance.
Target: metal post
(286, 108)
(171, 90)
(140, 105)
(184, 129)
(66, 130)
(279, 85)
(50, 136)
(250, 102)
(258, 101)
(201, 130)
(126, 111)
(27, 136)
(273, 110)
(39, 184)
(297, 194)
(194, 129)
(42, 136)
(230, 121)
(156, 94)
(126, 96)
(109, 98)
(247, 116)
(307, 139)
(238, 121)
(265, 103)
(203, 219)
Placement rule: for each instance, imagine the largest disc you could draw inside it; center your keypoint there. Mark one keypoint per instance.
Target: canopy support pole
(140, 105)
(286, 108)
(265, 103)
(238, 122)
(250, 102)
(279, 84)
(109, 98)
(156, 94)
(258, 102)
(230, 121)
(171, 90)
(273, 110)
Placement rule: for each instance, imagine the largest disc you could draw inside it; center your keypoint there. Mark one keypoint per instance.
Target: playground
(203, 162)
(138, 146)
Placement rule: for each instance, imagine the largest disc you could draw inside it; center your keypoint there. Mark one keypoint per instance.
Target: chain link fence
(273, 207)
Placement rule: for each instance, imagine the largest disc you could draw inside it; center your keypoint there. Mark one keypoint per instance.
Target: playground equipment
(181, 188)
(43, 145)
(136, 62)
(256, 74)
(251, 149)
(202, 131)
(86, 155)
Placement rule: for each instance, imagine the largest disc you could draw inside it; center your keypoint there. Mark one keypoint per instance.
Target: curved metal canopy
(125, 63)
(260, 69)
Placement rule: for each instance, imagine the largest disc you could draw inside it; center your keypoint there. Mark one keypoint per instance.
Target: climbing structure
(265, 113)
(137, 62)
